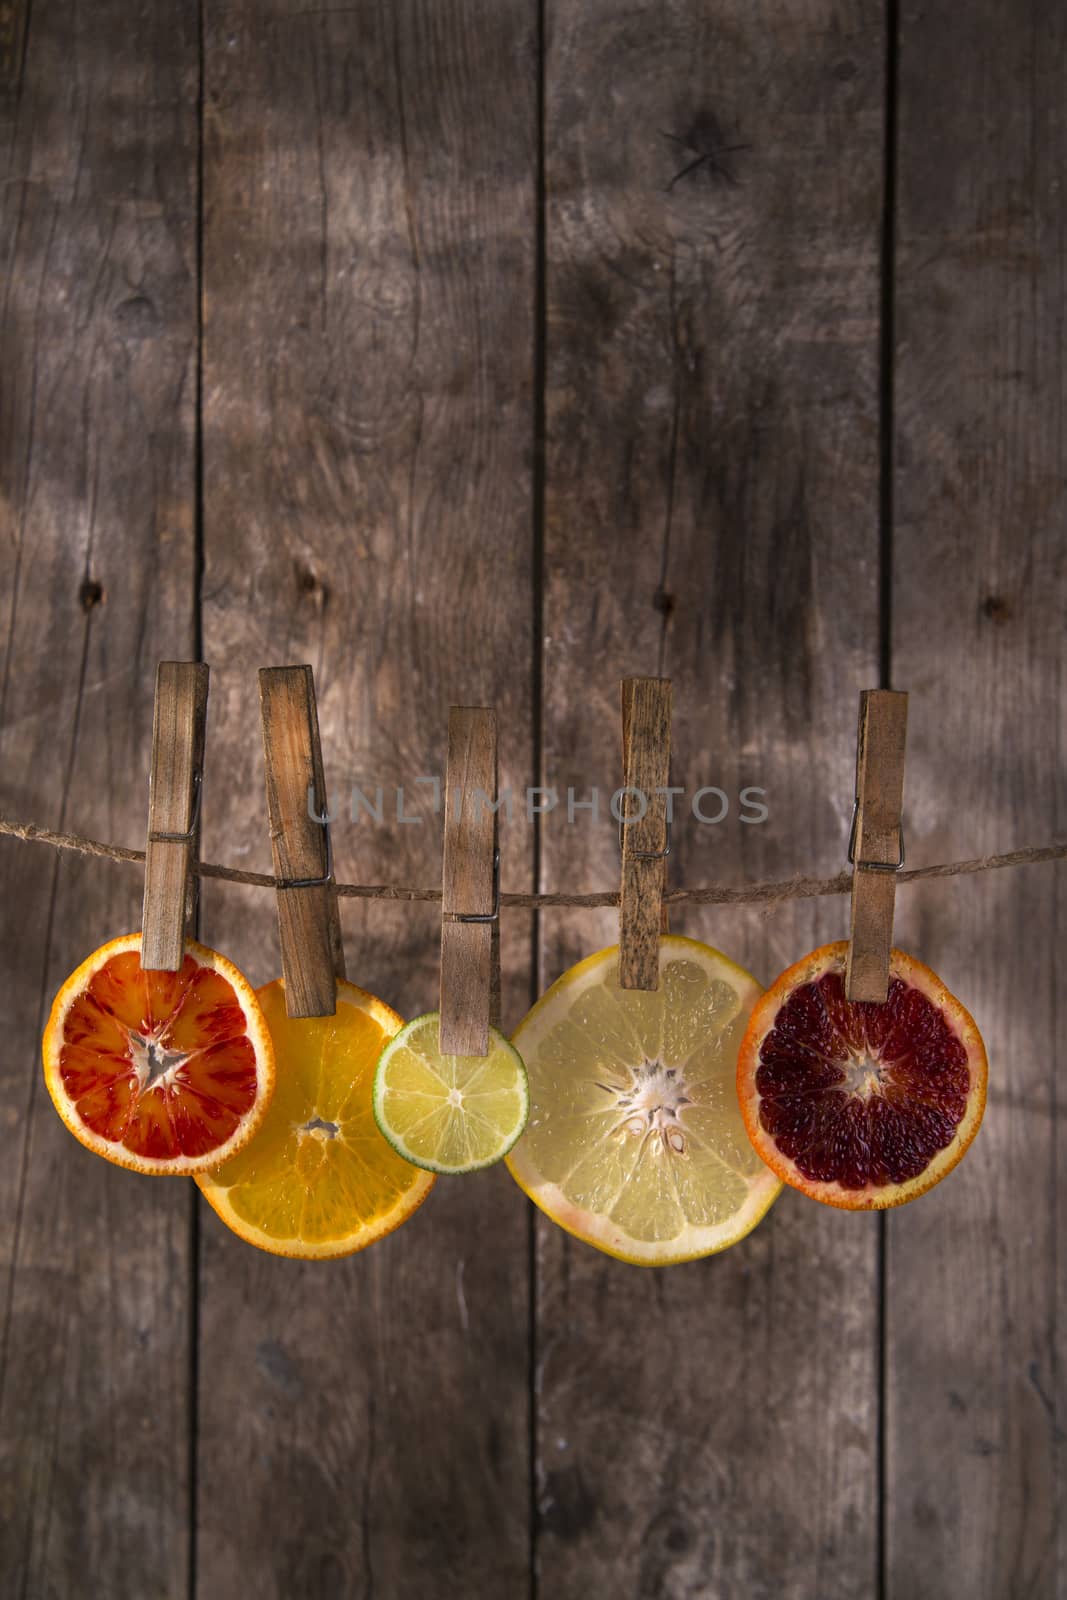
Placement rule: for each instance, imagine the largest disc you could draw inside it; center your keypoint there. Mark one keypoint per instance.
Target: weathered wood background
(377, 336)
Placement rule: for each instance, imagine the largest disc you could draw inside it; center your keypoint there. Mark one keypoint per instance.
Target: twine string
(796, 888)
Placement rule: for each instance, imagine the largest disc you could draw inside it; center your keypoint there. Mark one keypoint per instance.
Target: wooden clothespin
(470, 899)
(309, 924)
(876, 843)
(644, 839)
(175, 786)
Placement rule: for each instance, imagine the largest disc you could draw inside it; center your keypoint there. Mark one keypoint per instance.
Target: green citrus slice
(449, 1113)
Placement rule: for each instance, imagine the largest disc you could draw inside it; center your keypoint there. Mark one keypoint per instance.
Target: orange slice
(319, 1180)
(163, 1072)
(860, 1105)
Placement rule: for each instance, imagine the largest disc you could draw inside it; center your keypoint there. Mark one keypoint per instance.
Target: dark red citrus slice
(860, 1105)
(160, 1071)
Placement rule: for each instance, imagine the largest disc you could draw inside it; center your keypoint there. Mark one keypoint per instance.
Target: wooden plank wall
(975, 1286)
(380, 337)
(711, 513)
(98, 227)
(368, 389)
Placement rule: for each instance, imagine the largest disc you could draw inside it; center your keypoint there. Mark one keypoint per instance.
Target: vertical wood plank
(975, 1270)
(711, 499)
(369, 177)
(97, 581)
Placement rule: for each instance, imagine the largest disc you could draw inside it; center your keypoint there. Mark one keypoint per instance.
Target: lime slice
(449, 1113)
(636, 1142)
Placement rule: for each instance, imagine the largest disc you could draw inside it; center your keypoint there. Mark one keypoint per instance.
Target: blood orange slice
(159, 1071)
(861, 1105)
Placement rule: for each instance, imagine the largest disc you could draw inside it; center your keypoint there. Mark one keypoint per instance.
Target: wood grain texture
(309, 923)
(179, 717)
(877, 839)
(470, 883)
(711, 506)
(368, 386)
(976, 1271)
(713, 182)
(97, 582)
(645, 830)
(12, 45)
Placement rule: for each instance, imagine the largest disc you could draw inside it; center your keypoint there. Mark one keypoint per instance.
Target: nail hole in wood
(996, 608)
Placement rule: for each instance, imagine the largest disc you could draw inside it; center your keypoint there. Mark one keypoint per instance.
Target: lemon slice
(318, 1180)
(636, 1142)
(449, 1113)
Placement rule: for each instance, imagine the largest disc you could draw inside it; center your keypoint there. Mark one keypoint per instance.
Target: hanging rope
(749, 894)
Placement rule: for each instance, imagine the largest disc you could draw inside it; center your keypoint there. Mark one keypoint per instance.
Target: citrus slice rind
(450, 1114)
(635, 1142)
(161, 1072)
(319, 1182)
(859, 1105)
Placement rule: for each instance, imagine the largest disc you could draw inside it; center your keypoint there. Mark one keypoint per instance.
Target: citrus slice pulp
(319, 1181)
(164, 1072)
(449, 1113)
(861, 1105)
(635, 1141)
